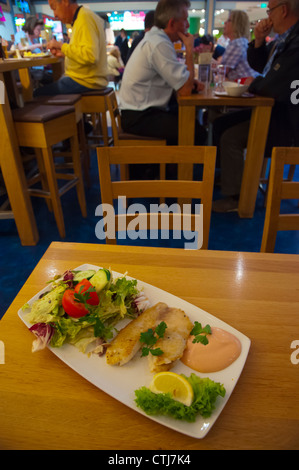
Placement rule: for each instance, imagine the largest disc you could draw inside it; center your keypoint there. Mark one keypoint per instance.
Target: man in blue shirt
(154, 73)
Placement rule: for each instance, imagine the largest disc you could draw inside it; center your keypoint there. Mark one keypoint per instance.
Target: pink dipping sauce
(221, 351)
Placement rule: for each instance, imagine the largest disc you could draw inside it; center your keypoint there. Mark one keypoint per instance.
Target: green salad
(82, 308)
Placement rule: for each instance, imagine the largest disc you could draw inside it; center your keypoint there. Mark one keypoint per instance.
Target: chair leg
(43, 176)
(53, 188)
(78, 173)
(105, 129)
(85, 151)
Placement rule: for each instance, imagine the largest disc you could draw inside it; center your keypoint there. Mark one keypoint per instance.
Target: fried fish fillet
(174, 340)
(126, 344)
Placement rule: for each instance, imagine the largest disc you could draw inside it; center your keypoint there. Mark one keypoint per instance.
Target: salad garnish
(82, 308)
(205, 391)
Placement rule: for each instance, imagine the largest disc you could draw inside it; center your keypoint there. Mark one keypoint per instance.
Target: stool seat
(94, 103)
(69, 100)
(41, 113)
(102, 92)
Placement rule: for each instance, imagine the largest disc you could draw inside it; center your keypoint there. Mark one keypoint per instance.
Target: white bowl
(234, 89)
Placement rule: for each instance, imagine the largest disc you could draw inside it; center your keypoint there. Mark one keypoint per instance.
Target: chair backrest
(114, 114)
(278, 190)
(149, 189)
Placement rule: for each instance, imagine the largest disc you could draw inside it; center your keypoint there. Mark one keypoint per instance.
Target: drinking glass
(204, 75)
(219, 77)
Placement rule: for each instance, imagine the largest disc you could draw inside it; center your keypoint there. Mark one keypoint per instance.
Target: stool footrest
(35, 192)
(6, 215)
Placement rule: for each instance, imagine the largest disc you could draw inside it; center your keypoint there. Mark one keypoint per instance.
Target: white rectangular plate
(136, 373)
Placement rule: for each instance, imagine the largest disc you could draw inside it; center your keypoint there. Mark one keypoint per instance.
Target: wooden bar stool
(42, 126)
(94, 102)
(75, 101)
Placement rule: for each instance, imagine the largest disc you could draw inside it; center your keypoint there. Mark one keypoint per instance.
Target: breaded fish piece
(126, 344)
(174, 340)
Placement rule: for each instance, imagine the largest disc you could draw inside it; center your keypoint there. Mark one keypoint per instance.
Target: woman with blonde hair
(114, 62)
(237, 29)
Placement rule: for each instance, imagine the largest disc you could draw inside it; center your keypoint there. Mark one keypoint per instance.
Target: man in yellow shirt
(85, 54)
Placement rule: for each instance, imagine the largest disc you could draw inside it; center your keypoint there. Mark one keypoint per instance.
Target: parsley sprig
(82, 297)
(150, 337)
(200, 333)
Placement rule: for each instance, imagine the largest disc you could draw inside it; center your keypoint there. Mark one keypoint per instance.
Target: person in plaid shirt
(278, 67)
(237, 29)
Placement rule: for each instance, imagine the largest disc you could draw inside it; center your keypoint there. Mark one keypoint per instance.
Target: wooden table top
(8, 65)
(44, 404)
(210, 99)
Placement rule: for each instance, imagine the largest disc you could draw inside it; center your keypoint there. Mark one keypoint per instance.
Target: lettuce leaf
(47, 308)
(205, 391)
(117, 301)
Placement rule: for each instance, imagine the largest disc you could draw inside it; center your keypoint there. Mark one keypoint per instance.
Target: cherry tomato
(93, 296)
(73, 309)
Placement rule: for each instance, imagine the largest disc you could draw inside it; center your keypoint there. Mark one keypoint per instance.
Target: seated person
(85, 54)
(278, 64)
(237, 29)
(206, 43)
(32, 29)
(148, 24)
(153, 73)
(115, 64)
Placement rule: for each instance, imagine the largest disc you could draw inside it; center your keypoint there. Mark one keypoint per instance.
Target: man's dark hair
(149, 19)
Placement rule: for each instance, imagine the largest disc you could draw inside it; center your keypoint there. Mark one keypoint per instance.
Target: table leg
(258, 131)
(58, 70)
(27, 85)
(14, 177)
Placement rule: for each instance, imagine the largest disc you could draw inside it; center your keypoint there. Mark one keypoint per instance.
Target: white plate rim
(88, 366)
(246, 94)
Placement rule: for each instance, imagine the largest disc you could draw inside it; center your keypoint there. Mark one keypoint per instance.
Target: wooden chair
(124, 139)
(278, 190)
(264, 179)
(181, 189)
(41, 127)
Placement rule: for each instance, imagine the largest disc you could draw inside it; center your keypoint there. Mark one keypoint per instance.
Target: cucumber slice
(100, 279)
(80, 275)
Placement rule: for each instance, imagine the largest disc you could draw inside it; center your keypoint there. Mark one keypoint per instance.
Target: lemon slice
(170, 382)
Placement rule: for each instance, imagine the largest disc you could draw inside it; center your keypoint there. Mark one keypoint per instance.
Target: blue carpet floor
(227, 232)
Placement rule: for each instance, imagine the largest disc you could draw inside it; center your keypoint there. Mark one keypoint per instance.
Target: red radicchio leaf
(68, 278)
(43, 333)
